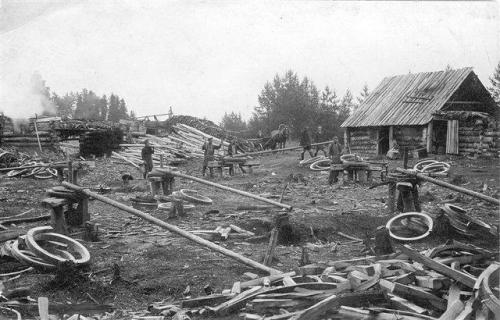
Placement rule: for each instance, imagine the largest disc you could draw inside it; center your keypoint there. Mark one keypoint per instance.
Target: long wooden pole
(174, 229)
(37, 135)
(450, 186)
(53, 165)
(278, 150)
(220, 186)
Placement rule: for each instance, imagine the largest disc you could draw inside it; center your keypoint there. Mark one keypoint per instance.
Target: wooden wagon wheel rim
(193, 196)
(316, 165)
(40, 233)
(430, 225)
(26, 259)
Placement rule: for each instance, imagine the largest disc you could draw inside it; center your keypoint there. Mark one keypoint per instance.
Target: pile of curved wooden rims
(43, 249)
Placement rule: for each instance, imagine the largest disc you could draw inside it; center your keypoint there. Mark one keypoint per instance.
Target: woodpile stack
(362, 142)
(31, 140)
(184, 142)
(473, 139)
(454, 281)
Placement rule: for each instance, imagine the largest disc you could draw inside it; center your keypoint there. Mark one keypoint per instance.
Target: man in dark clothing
(319, 136)
(209, 154)
(232, 150)
(305, 142)
(334, 152)
(147, 156)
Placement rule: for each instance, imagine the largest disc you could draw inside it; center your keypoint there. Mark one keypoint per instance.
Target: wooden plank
(412, 293)
(335, 301)
(452, 311)
(459, 276)
(403, 304)
(273, 239)
(213, 299)
(272, 278)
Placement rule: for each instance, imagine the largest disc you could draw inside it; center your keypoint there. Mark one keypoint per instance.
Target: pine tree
(365, 92)
(495, 84)
(113, 109)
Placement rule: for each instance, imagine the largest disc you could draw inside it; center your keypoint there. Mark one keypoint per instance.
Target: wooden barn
(440, 112)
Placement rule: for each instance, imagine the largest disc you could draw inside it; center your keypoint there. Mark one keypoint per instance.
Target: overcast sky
(205, 58)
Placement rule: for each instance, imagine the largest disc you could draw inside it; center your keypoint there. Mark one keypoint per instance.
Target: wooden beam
(278, 150)
(459, 276)
(450, 186)
(220, 186)
(464, 102)
(174, 229)
(429, 137)
(391, 136)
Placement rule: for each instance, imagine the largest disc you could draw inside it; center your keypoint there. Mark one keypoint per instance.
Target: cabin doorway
(383, 140)
(439, 134)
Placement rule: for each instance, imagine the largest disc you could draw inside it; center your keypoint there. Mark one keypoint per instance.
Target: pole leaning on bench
(223, 187)
(450, 186)
(172, 228)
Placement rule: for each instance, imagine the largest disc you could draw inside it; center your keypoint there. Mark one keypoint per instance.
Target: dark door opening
(383, 140)
(440, 128)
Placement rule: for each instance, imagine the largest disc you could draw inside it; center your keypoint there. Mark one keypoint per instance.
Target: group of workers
(335, 150)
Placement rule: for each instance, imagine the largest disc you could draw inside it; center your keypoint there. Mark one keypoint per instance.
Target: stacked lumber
(184, 142)
(473, 139)
(28, 140)
(456, 281)
(362, 142)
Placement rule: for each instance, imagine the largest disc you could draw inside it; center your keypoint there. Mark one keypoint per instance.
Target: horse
(278, 138)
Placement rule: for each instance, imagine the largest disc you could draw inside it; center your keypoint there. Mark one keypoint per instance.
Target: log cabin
(443, 112)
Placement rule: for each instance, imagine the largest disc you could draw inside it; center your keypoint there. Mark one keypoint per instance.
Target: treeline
(87, 105)
(79, 105)
(298, 103)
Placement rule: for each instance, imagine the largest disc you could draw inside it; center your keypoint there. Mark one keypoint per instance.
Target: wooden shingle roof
(408, 99)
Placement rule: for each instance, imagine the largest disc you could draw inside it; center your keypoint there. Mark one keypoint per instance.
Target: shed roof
(408, 99)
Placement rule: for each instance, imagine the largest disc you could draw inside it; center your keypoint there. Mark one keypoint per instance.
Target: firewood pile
(452, 281)
(209, 128)
(184, 142)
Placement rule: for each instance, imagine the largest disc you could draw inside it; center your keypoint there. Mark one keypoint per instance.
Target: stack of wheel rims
(43, 249)
(41, 172)
(432, 166)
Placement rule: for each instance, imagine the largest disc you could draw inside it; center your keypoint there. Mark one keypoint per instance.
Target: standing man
(305, 142)
(319, 136)
(147, 157)
(334, 152)
(208, 155)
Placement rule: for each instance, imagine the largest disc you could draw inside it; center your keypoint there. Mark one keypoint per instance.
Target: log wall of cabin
(363, 141)
(478, 136)
(410, 137)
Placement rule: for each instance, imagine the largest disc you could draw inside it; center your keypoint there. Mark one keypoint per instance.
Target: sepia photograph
(253, 160)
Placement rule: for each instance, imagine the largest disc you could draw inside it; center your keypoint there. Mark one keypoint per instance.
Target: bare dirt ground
(156, 265)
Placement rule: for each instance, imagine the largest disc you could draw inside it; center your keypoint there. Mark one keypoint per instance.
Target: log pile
(184, 142)
(473, 139)
(29, 140)
(454, 281)
(362, 142)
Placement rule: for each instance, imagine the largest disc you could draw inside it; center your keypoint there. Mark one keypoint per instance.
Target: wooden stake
(273, 239)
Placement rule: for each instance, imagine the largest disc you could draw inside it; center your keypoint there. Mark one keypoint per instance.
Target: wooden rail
(223, 187)
(175, 229)
(278, 150)
(449, 186)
